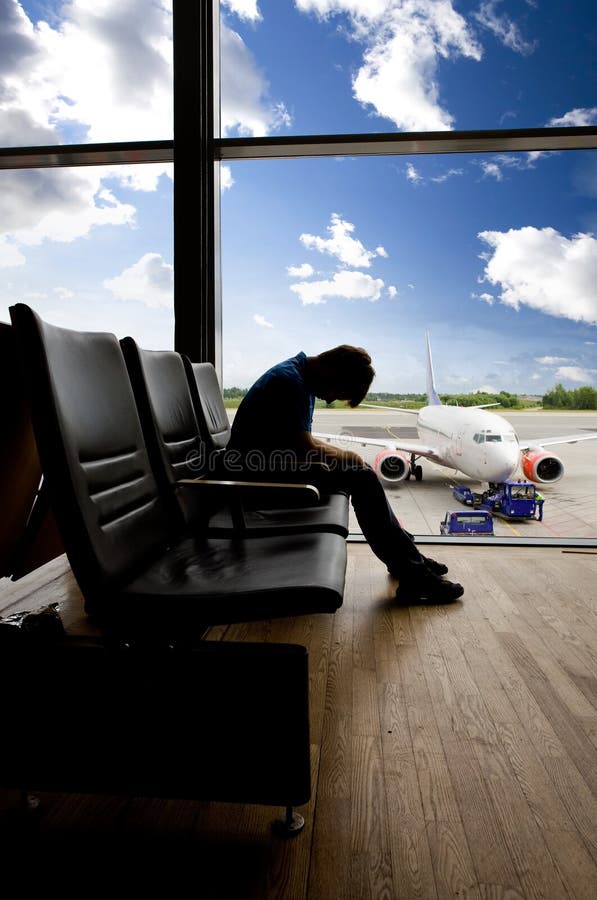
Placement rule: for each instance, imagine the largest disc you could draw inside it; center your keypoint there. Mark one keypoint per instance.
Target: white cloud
(576, 117)
(542, 269)
(262, 321)
(495, 166)
(64, 293)
(532, 156)
(398, 75)
(346, 249)
(392, 290)
(346, 284)
(280, 118)
(244, 9)
(492, 169)
(381, 251)
(575, 373)
(303, 271)
(485, 297)
(51, 90)
(244, 91)
(552, 360)
(50, 81)
(139, 177)
(366, 9)
(404, 42)
(56, 204)
(51, 78)
(412, 174)
(10, 255)
(226, 179)
(503, 27)
(149, 281)
(439, 179)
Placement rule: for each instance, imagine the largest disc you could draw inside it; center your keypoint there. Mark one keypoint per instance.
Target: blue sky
(495, 254)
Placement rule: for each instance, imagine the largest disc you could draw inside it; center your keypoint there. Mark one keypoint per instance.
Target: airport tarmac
(570, 508)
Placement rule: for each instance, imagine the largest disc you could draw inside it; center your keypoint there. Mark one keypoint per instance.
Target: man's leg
(384, 533)
(386, 537)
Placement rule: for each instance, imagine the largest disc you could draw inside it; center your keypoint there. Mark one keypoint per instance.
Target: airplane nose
(501, 462)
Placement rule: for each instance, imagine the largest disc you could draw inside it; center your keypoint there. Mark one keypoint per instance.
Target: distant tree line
(559, 398)
(234, 393)
(579, 398)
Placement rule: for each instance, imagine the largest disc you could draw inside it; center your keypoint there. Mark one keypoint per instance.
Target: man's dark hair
(352, 370)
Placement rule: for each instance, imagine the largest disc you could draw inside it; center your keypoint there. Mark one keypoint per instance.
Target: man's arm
(310, 448)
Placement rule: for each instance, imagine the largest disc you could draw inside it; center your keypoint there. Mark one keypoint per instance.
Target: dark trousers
(384, 533)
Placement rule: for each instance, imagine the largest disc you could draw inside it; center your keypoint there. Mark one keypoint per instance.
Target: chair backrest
(93, 455)
(171, 431)
(209, 405)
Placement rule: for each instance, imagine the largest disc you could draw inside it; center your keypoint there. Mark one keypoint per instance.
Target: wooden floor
(453, 755)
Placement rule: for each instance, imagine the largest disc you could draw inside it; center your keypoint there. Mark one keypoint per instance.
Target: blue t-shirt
(275, 410)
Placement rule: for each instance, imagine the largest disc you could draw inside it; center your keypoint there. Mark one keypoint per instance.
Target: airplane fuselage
(478, 443)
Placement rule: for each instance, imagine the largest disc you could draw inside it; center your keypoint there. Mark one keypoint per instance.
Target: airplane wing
(405, 446)
(412, 412)
(563, 439)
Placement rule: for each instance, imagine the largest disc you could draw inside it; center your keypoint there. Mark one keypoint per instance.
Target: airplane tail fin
(432, 396)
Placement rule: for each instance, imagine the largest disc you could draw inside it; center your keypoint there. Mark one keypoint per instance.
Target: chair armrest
(265, 494)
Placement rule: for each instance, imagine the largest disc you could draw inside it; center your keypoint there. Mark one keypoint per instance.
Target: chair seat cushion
(209, 581)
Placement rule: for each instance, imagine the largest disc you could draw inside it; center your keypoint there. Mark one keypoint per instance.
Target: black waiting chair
(186, 453)
(136, 571)
(149, 707)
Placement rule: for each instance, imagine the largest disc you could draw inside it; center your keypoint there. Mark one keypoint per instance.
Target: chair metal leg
(290, 825)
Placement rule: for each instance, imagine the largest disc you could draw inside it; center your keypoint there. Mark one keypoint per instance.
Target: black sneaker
(434, 566)
(429, 588)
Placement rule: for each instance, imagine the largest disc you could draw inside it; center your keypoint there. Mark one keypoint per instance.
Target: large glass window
(87, 246)
(80, 71)
(353, 66)
(492, 254)
(90, 248)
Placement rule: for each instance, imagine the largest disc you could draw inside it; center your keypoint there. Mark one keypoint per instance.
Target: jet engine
(391, 465)
(538, 465)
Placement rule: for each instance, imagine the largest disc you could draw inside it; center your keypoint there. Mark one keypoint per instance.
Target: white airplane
(480, 444)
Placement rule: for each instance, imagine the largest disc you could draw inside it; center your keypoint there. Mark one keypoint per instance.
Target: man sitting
(274, 422)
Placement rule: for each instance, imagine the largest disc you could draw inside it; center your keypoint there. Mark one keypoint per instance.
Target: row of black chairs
(113, 448)
(163, 545)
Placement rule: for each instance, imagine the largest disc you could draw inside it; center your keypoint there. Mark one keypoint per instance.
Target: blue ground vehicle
(510, 500)
(465, 521)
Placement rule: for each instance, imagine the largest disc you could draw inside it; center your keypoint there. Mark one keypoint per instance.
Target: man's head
(344, 373)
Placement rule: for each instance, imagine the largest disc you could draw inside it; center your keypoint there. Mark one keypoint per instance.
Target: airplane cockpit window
(493, 438)
(479, 438)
